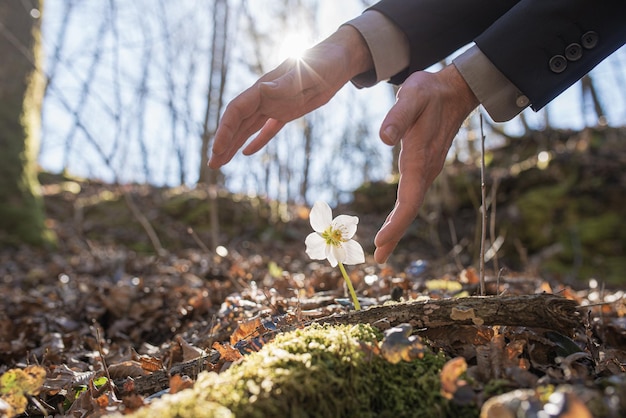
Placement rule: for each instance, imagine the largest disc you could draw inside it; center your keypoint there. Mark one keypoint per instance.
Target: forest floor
(93, 311)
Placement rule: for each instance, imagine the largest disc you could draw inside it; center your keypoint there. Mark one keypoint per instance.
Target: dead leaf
(399, 344)
(247, 329)
(469, 276)
(189, 351)
(150, 363)
(126, 369)
(17, 384)
(449, 376)
(178, 383)
(227, 352)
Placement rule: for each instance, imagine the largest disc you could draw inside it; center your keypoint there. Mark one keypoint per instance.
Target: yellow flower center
(332, 236)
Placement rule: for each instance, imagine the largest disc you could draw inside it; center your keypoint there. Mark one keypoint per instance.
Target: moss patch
(319, 371)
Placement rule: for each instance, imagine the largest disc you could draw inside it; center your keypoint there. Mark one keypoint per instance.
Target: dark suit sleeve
(545, 46)
(437, 28)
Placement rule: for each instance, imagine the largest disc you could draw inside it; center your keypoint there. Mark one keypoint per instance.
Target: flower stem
(357, 306)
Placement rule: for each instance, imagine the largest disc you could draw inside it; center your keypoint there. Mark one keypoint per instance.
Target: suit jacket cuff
(387, 44)
(500, 98)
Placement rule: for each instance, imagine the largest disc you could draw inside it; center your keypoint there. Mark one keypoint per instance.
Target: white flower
(332, 238)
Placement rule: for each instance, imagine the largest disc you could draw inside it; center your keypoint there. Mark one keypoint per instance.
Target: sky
(110, 115)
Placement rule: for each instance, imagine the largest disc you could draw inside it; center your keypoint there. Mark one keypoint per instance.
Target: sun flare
(294, 45)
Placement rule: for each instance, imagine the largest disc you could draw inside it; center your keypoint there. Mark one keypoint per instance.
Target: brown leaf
(449, 376)
(102, 401)
(227, 352)
(247, 329)
(178, 383)
(189, 351)
(126, 369)
(150, 364)
(469, 276)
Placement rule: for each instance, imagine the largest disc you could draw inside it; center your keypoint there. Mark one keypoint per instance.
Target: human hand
(427, 115)
(293, 89)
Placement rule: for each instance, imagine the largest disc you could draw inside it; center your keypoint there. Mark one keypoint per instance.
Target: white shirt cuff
(387, 44)
(500, 98)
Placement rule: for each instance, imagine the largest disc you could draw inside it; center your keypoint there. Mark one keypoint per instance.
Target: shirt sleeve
(387, 44)
(501, 99)
(391, 54)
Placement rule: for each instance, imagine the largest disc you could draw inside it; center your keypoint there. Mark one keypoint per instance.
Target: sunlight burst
(294, 45)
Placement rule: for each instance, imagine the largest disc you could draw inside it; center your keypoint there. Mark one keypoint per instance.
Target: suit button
(589, 39)
(522, 101)
(573, 52)
(558, 63)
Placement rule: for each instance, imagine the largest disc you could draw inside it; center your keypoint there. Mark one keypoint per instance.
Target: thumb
(290, 84)
(401, 117)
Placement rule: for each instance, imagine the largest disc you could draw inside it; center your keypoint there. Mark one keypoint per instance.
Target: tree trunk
(21, 94)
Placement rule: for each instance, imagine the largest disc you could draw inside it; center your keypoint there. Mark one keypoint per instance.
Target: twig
(198, 241)
(152, 235)
(110, 382)
(483, 197)
(492, 222)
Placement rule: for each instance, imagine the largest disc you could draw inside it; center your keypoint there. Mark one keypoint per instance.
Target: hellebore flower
(332, 240)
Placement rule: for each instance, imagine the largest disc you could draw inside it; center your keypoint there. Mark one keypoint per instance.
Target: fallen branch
(160, 379)
(534, 311)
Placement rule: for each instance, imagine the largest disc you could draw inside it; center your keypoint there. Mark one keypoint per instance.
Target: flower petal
(332, 255)
(347, 224)
(353, 252)
(338, 252)
(315, 246)
(321, 216)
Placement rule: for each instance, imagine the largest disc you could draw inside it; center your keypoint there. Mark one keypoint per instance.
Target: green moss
(600, 228)
(319, 371)
(539, 208)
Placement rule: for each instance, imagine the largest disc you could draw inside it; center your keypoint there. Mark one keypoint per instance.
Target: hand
(428, 113)
(294, 88)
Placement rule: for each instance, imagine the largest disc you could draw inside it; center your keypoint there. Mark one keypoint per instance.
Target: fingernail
(391, 133)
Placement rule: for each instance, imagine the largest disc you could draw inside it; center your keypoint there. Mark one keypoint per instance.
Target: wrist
(459, 85)
(355, 49)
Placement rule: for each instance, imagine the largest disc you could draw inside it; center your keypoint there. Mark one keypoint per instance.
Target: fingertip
(220, 142)
(390, 135)
(382, 253)
(380, 257)
(270, 89)
(214, 162)
(268, 85)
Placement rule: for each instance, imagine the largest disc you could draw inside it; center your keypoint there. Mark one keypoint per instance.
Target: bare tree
(218, 70)
(21, 93)
(590, 94)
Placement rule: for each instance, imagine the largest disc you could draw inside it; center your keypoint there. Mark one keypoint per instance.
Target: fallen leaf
(189, 351)
(126, 369)
(247, 329)
(449, 376)
(399, 344)
(227, 352)
(17, 384)
(178, 383)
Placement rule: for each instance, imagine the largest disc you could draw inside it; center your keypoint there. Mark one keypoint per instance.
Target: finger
(301, 79)
(236, 113)
(237, 139)
(268, 131)
(411, 192)
(381, 254)
(249, 130)
(392, 231)
(402, 115)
